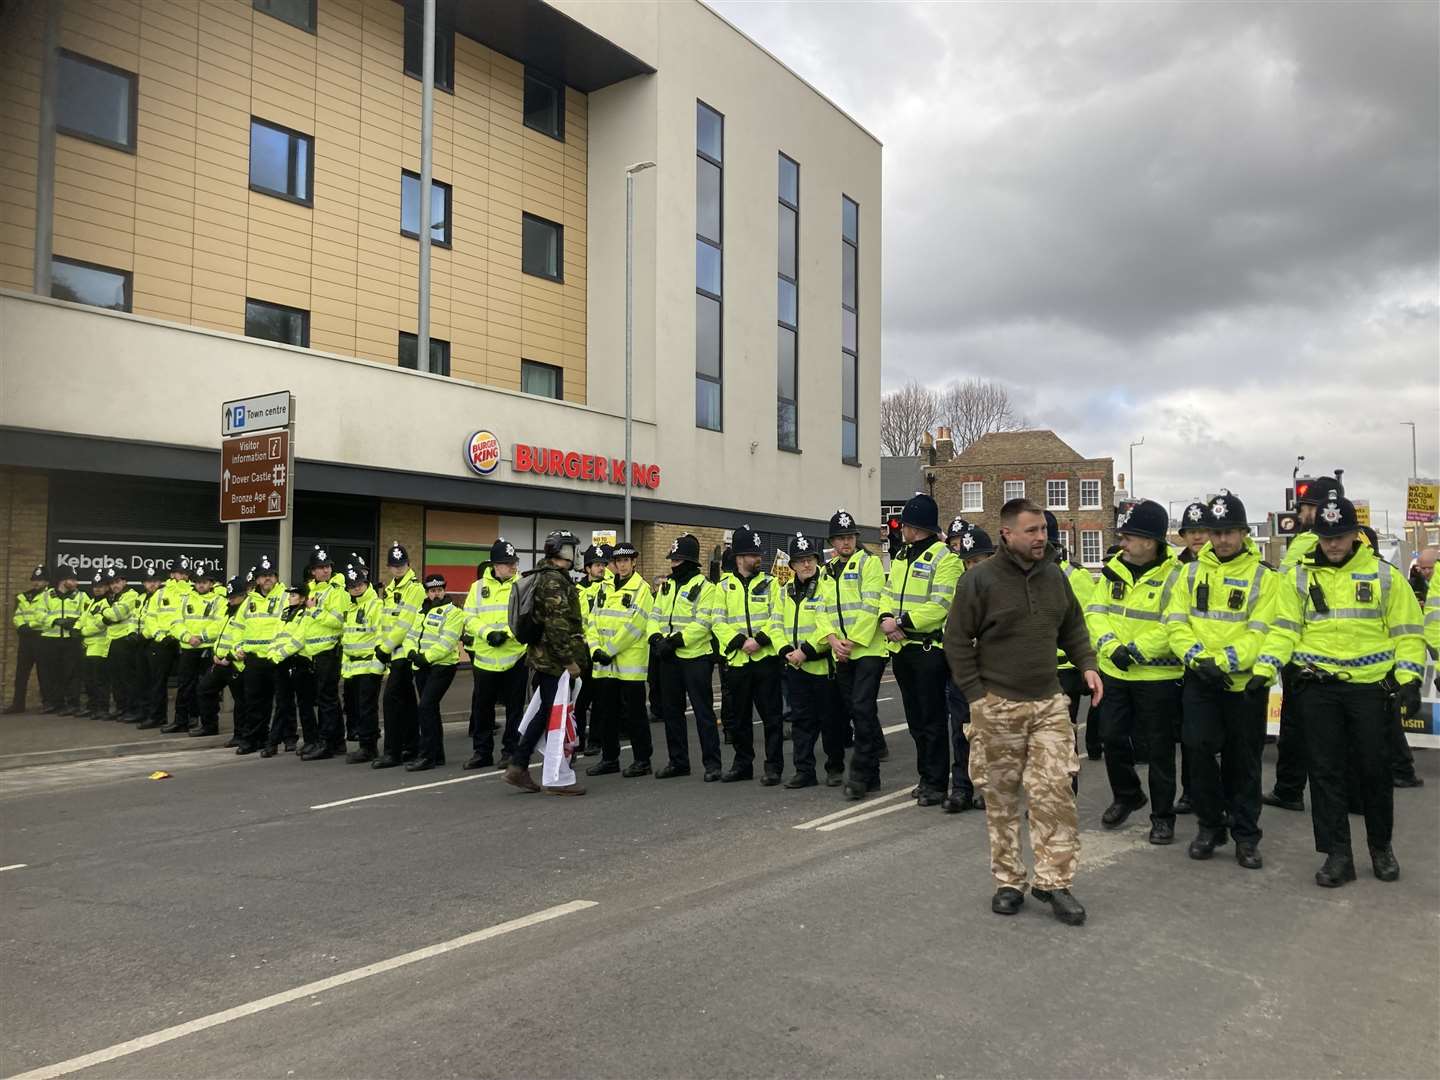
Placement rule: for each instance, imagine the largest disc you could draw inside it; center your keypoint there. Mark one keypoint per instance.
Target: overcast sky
(1214, 226)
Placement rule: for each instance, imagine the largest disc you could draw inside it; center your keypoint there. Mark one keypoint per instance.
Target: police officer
(225, 670)
(256, 627)
(294, 679)
(146, 611)
(163, 652)
(26, 619)
(918, 594)
(1141, 675)
(1351, 626)
(1220, 612)
(742, 615)
(852, 586)
(616, 633)
(195, 633)
(328, 605)
(63, 649)
(1193, 538)
(497, 658)
(814, 710)
(973, 546)
(596, 559)
(1290, 771)
(122, 626)
(400, 604)
(680, 637)
(97, 649)
(361, 669)
(434, 649)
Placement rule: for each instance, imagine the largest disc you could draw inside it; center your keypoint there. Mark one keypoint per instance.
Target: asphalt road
(177, 928)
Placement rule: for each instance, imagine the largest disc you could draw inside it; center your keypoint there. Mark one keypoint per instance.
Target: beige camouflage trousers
(1029, 745)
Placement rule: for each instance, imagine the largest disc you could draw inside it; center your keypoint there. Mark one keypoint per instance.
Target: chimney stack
(944, 446)
(927, 449)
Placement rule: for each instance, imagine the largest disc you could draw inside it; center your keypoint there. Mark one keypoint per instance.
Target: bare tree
(974, 408)
(905, 415)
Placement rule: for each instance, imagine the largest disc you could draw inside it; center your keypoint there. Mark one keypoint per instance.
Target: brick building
(1037, 465)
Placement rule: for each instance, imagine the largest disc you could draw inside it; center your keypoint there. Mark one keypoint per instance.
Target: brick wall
(404, 522)
(654, 541)
(24, 507)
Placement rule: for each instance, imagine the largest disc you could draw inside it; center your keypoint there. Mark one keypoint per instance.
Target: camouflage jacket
(562, 635)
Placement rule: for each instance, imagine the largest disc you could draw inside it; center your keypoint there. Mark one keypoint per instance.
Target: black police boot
(770, 779)
(1338, 869)
(712, 776)
(957, 802)
(978, 800)
(1384, 863)
(929, 797)
(1007, 901)
(1067, 909)
(385, 761)
(269, 750)
(1271, 798)
(1117, 812)
(318, 752)
(305, 748)
(834, 777)
(603, 768)
(1408, 781)
(1248, 855)
(149, 725)
(800, 780)
(1183, 805)
(1162, 831)
(175, 727)
(362, 755)
(858, 789)
(735, 774)
(246, 748)
(636, 768)
(289, 745)
(670, 771)
(231, 743)
(203, 730)
(1203, 846)
(478, 761)
(418, 764)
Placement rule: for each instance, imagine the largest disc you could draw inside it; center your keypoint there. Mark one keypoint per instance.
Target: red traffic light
(892, 523)
(1301, 488)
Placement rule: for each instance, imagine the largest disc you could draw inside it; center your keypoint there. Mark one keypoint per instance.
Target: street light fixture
(639, 166)
(1133, 485)
(1414, 457)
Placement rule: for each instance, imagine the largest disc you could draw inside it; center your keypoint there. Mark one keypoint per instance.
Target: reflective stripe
(1233, 657)
(495, 663)
(1406, 665)
(1286, 624)
(1359, 661)
(1266, 658)
(1219, 616)
(1347, 613)
(487, 608)
(623, 669)
(1404, 629)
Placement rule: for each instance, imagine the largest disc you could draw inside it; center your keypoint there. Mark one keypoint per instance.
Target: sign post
(257, 471)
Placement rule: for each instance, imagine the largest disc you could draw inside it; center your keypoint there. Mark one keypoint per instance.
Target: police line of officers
(1188, 644)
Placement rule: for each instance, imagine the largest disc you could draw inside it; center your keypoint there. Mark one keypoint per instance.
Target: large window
(544, 380)
(1092, 551)
(280, 162)
(972, 497)
(299, 13)
(95, 101)
(1089, 494)
(1014, 489)
(542, 247)
(444, 44)
(86, 283)
(1067, 543)
(787, 428)
(1057, 494)
(545, 105)
(849, 330)
(709, 266)
(410, 208)
(410, 354)
(276, 322)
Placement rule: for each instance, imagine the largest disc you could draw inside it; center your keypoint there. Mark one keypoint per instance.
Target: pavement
(273, 918)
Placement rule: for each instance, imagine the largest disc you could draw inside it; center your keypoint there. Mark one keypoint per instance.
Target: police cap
(684, 548)
(1225, 512)
(1146, 518)
(434, 581)
(842, 523)
(920, 512)
(624, 550)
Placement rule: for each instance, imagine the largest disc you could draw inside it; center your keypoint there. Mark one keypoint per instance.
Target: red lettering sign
(566, 464)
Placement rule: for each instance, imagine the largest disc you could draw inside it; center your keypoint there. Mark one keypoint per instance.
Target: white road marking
(865, 817)
(893, 728)
(203, 1023)
(14, 866)
(857, 808)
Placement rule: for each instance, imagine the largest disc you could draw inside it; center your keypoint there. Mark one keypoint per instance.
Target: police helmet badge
(1331, 514)
(1220, 508)
(1195, 513)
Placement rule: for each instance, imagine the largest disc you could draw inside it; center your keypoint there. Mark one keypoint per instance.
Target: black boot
(1007, 901)
(636, 768)
(1203, 846)
(175, 727)
(1338, 869)
(385, 761)
(800, 780)
(1067, 909)
(318, 752)
(671, 771)
(1248, 855)
(362, 755)
(202, 731)
(1183, 805)
(1162, 831)
(603, 768)
(1117, 812)
(735, 774)
(1271, 798)
(1384, 863)
(957, 803)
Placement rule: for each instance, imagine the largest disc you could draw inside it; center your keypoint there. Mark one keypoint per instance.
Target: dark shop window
(439, 354)
(276, 322)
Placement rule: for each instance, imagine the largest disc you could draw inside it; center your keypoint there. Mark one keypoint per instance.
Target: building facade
(1037, 465)
(228, 205)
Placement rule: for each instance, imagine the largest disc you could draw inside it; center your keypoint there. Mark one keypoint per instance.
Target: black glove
(676, 641)
(468, 642)
(382, 656)
(420, 662)
(656, 640)
(762, 639)
(1121, 658)
(600, 657)
(1258, 688)
(1210, 672)
(1409, 697)
(735, 643)
(496, 638)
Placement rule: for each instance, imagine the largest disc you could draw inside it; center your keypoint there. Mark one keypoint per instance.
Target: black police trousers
(1347, 741)
(489, 690)
(333, 729)
(692, 680)
(27, 659)
(302, 688)
(362, 709)
(815, 713)
(959, 709)
(61, 662)
(545, 685)
(189, 667)
(402, 732)
(259, 693)
(1132, 707)
(282, 723)
(859, 685)
(755, 687)
(619, 705)
(97, 684)
(922, 675)
(432, 682)
(1232, 725)
(212, 687)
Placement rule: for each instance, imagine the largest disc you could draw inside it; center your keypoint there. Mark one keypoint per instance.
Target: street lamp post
(639, 166)
(1133, 485)
(1414, 457)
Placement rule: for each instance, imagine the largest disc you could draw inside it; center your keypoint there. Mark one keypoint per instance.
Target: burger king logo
(482, 453)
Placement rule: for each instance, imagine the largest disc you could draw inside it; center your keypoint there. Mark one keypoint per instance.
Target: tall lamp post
(1414, 457)
(1133, 485)
(639, 166)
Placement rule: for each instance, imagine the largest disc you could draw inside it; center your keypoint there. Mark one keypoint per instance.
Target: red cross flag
(560, 734)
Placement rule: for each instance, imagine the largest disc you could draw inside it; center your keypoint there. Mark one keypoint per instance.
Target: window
(1091, 547)
(444, 45)
(1014, 489)
(972, 497)
(544, 105)
(787, 353)
(542, 247)
(410, 208)
(95, 101)
(1089, 494)
(1057, 494)
(709, 266)
(889, 510)
(1065, 543)
(280, 161)
(543, 380)
(86, 283)
(849, 331)
(275, 322)
(299, 13)
(439, 354)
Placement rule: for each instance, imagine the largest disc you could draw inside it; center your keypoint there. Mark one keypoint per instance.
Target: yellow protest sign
(1362, 511)
(1422, 500)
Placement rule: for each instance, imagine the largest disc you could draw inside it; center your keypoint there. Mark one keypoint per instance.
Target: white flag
(560, 735)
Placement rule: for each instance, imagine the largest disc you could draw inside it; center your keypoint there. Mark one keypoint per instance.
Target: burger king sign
(482, 452)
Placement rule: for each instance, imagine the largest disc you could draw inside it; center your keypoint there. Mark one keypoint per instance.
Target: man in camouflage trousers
(559, 649)
(1009, 613)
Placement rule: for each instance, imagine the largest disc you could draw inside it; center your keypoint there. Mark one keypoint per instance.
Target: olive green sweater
(1008, 617)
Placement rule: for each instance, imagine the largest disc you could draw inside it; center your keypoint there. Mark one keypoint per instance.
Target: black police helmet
(1052, 528)
(1193, 517)
(1145, 518)
(596, 553)
(356, 574)
(746, 541)
(684, 548)
(801, 546)
(205, 573)
(236, 586)
(1336, 518)
(958, 525)
(976, 541)
(1322, 490)
(920, 512)
(1225, 512)
(319, 556)
(65, 572)
(265, 565)
(502, 551)
(40, 573)
(398, 555)
(843, 523)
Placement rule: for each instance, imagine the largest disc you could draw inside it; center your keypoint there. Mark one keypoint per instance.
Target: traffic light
(892, 535)
(1302, 487)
